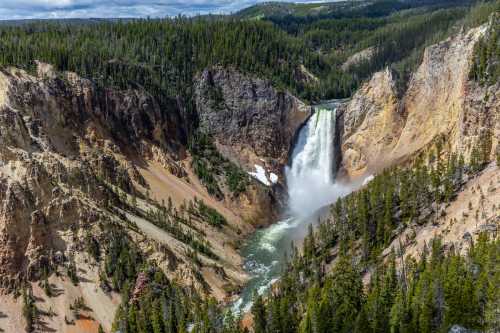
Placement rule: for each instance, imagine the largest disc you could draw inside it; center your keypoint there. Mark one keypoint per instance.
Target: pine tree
(287, 315)
(259, 315)
(309, 244)
(306, 325)
(399, 318)
(492, 306)
(362, 324)
(346, 295)
(29, 309)
(156, 317)
(461, 304)
(274, 315)
(231, 323)
(132, 317)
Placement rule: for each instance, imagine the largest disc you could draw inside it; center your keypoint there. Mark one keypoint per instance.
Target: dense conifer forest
(163, 56)
(430, 294)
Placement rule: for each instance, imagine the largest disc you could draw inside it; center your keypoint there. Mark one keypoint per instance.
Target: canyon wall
(381, 129)
(251, 121)
(75, 156)
(56, 146)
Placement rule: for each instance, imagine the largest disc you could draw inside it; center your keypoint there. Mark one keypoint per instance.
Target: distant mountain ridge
(338, 8)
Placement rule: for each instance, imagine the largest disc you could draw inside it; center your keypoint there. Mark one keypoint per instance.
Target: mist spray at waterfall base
(311, 185)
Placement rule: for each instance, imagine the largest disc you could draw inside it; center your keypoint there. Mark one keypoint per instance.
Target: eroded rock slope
(441, 101)
(251, 121)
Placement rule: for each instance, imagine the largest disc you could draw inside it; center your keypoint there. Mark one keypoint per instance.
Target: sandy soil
(101, 307)
(11, 319)
(164, 185)
(229, 258)
(153, 232)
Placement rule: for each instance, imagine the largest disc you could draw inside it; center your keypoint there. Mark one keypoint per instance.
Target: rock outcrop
(380, 129)
(358, 57)
(252, 122)
(460, 329)
(370, 124)
(61, 140)
(304, 76)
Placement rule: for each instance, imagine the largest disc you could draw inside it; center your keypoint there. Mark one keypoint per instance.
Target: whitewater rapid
(311, 185)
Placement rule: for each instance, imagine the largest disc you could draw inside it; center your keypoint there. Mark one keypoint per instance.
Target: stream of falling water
(311, 185)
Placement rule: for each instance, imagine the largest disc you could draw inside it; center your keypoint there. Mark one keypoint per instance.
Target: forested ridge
(431, 294)
(164, 56)
(397, 38)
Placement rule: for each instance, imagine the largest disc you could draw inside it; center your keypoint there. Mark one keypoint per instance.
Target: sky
(46, 9)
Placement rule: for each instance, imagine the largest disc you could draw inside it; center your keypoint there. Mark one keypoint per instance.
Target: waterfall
(311, 176)
(311, 185)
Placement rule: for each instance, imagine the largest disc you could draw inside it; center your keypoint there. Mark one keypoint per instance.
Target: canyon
(75, 156)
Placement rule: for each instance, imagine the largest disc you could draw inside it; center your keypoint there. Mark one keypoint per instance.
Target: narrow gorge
(344, 142)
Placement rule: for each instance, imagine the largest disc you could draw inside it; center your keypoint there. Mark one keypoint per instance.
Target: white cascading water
(311, 186)
(310, 179)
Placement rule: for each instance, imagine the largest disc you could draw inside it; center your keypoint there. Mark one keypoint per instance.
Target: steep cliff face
(439, 96)
(370, 125)
(57, 105)
(441, 101)
(252, 122)
(75, 157)
(41, 130)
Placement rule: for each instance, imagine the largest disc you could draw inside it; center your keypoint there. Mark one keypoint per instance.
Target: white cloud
(22, 9)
